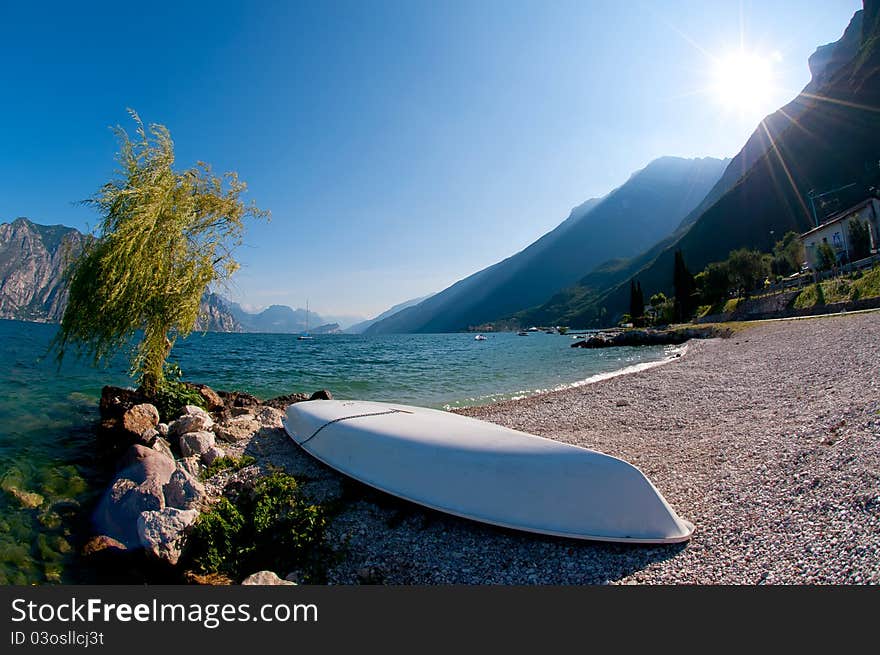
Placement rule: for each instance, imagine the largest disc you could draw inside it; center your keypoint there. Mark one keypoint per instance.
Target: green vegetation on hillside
(840, 289)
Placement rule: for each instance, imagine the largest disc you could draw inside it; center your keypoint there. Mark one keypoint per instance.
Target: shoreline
(768, 441)
(676, 352)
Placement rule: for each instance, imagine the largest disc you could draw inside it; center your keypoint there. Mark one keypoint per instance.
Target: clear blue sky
(400, 146)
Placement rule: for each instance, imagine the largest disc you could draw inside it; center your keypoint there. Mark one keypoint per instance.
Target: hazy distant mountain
(358, 328)
(277, 319)
(827, 137)
(33, 259)
(628, 220)
(344, 321)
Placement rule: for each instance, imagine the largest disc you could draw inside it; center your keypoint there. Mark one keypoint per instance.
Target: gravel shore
(769, 442)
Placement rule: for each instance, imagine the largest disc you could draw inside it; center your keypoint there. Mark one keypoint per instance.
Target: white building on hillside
(835, 232)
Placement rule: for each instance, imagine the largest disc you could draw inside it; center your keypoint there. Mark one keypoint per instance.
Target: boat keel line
(346, 418)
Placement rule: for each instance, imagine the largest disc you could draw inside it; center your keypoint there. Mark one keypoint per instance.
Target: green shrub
(270, 527)
(731, 304)
(869, 284)
(224, 463)
(174, 394)
(213, 543)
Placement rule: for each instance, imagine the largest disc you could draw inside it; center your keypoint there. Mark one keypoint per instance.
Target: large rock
(140, 463)
(270, 417)
(212, 455)
(196, 443)
(161, 446)
(237, 428)
(183, 491)
(137, 488)
(194, 419)
(115, 401)
(647, 337)
(239, 399)
(191, 465)
(162, 533)
(282, 402)
(122, 505)
(213, 401)
(265, 578)
(140, 418)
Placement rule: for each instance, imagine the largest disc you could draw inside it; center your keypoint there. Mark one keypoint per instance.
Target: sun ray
(775, 149)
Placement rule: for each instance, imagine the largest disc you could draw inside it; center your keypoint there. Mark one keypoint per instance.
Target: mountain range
(827, 137)
(579, 274)
(33, 260)
(626, 221)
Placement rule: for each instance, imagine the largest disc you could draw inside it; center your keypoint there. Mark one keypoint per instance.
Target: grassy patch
(270, 527)
(852, 287)
(226, 463)
(731, 305)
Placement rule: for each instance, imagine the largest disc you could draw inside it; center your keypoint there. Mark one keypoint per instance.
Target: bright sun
(744, 81)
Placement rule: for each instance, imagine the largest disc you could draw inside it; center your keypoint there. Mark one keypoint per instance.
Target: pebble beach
(768, 441)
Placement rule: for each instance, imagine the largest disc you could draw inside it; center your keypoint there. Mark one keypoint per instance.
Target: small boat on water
(485, 472)
(522, 334)
(479, 337)
(305, 336)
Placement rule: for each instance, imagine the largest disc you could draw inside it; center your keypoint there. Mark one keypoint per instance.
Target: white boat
(479, 337)
(485, 472)
(305, 336)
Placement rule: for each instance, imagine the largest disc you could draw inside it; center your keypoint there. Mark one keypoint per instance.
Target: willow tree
(163, 237)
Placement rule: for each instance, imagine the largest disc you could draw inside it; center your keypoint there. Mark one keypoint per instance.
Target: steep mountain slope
(215, 316)
(33, 259)
(358, 328)
(631, 218)
(827, 137)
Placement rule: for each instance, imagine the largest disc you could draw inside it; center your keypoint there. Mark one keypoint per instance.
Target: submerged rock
(101, 543)
(27, 499)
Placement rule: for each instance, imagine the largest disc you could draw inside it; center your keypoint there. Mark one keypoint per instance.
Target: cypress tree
(684, 285)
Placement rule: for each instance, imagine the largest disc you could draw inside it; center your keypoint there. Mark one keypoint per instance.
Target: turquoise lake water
(47, 413)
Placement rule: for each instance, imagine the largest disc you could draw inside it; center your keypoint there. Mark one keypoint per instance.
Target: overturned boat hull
(486, 472)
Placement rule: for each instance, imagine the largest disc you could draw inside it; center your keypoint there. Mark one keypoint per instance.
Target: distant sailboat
(305, 336)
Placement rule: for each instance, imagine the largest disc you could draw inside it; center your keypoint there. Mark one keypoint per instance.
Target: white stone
(196, 443)
(265, 578)
(163, 532)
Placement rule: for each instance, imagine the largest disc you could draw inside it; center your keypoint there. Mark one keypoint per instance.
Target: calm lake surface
(47, 413)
